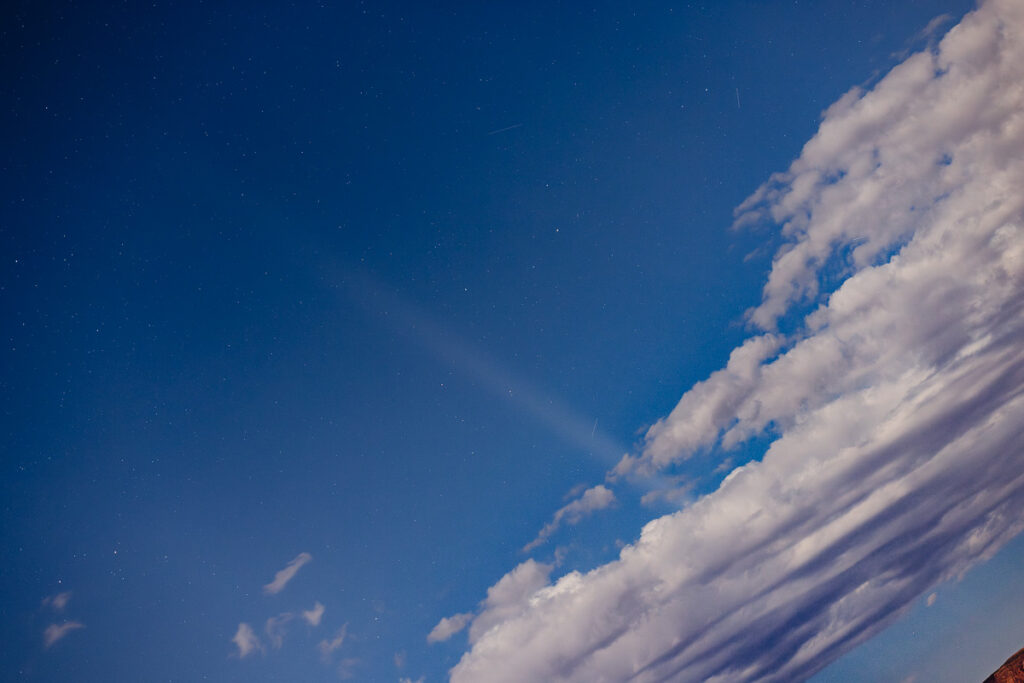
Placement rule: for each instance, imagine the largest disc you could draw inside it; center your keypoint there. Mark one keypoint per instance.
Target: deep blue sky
(284, 278)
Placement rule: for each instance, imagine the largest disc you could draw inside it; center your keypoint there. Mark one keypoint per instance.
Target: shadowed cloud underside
(896, 407)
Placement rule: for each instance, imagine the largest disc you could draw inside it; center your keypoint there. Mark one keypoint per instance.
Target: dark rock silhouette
(1011, 672)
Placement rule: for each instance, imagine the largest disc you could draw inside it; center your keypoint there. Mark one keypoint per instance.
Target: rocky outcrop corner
(1010, 672)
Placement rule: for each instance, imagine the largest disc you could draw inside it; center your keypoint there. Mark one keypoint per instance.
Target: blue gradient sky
(380, 283)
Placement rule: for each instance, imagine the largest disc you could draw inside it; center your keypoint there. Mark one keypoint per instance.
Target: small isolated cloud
(57, 602)
(575, 491)
(448, 627)
(55, 632)
(931, 599)
(246, 640)
(400, 658)
(935, 25)
(409, 680)
(275, 628)
(313, 616)
(282, 578)
(329, 646)
(593, 499)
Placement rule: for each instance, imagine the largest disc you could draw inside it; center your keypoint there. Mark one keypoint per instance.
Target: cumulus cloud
(593, 499)
(510, 597)
(58, 601)
(246, 641)
(55, 632)
(505, 600)
(282, 577)
(313, 616)
(897, 408)
(448, 627)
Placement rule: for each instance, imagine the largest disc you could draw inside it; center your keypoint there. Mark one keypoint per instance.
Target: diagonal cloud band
(285, 575)
(898, 407)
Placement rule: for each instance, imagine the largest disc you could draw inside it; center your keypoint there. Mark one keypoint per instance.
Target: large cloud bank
(898, 407)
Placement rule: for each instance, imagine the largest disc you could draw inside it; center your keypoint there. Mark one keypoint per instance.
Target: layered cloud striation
(897, 408)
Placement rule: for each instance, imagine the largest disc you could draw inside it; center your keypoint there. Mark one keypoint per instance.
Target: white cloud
(935, 24)
(409, 680)
(55, 632)
(506, 599)
(706, 409)
(329, 646)
(313, 616)
(510, 597)
(58, 601)
(275, 628)
(672, 490)
(282, 577)
(593, 499)
(898, 407)
(448, 627)
(246, 641)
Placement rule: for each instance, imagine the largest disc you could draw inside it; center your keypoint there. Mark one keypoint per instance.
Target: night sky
(379, 295)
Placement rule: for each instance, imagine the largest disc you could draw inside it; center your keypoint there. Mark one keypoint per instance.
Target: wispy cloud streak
(58, 601)
(276, 627)
(593, 499)
(282, 577)
(55, 632)
(328, 646)
(448, 627)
